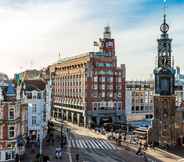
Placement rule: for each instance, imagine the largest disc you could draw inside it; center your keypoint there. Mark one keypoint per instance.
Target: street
(97, 149)
(91, 147)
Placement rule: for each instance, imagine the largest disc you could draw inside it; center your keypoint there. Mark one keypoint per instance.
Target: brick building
(13, 118)
(89, 89)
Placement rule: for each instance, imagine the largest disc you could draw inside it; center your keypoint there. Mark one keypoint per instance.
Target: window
(103, 86)
(109, 79)
(39, 96)
(29, 95)
(137, 108)
(142, 108)
(11, 114)
(119, 79)
(103, 79)
(33, 120)
(11, 132)
(95, 86)
(8, 156)
(34, 108)
(103, 94)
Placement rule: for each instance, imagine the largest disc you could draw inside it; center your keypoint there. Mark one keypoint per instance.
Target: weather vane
(164, 27)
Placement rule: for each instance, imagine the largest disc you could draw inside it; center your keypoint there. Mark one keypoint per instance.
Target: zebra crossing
(91, 144)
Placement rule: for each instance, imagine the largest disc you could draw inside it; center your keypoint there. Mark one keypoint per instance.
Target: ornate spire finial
(164, 27)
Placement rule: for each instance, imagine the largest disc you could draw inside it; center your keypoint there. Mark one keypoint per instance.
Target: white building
(34, 96)
(139, 100)
(48, 100)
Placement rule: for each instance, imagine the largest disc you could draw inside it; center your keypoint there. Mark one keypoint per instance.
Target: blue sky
(33, 32)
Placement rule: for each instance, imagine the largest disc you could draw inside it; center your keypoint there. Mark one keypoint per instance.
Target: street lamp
(61, 129)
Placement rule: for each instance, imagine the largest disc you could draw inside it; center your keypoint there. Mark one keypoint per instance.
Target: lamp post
(61, 129)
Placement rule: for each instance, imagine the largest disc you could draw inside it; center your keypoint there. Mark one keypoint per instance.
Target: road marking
(69, 143)
(88, 144)
(77, 143)
(84, 144)
(94, 142)
(107, 144)
(80, 143)
(101, 144)
(90, 141)
(73, 143)
(112, 145)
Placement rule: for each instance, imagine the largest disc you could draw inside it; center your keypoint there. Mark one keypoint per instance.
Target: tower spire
(164, 27)
(165, 12)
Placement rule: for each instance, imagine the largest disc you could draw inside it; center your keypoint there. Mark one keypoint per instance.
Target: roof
(31, 85)
(74, 57)
(11, 89)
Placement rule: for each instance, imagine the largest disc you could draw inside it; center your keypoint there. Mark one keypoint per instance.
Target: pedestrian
(60, 154)
(57, 155)
(138, 151)
(124, 137)
(77, 157)
(145, 158)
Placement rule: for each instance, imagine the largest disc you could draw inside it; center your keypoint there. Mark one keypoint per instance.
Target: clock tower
(164, 99)
(164, 72)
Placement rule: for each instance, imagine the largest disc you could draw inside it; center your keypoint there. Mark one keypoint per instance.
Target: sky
(34, 32)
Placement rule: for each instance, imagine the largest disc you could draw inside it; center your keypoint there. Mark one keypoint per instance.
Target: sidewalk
(49, 150)
(84, 131)
(157, 153)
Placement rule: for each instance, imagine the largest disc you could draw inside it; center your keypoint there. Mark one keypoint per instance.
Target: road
(95, 149)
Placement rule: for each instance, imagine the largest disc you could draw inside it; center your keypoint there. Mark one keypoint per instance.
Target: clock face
(164, 28)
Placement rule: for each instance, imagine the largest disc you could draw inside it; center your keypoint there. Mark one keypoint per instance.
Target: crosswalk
(91, 144)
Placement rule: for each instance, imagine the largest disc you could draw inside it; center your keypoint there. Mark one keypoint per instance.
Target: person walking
(60, 154)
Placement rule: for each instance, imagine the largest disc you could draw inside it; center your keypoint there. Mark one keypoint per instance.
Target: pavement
(48, 149)
(94, 147)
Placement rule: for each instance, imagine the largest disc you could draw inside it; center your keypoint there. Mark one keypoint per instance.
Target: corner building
(89, 89)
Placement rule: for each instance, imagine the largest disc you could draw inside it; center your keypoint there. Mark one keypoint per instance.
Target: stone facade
(89, 89)
(164, 120)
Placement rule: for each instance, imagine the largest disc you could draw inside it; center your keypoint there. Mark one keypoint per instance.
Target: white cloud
(36, 32)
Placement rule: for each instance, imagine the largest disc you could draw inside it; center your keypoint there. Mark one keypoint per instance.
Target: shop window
(8, 156)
